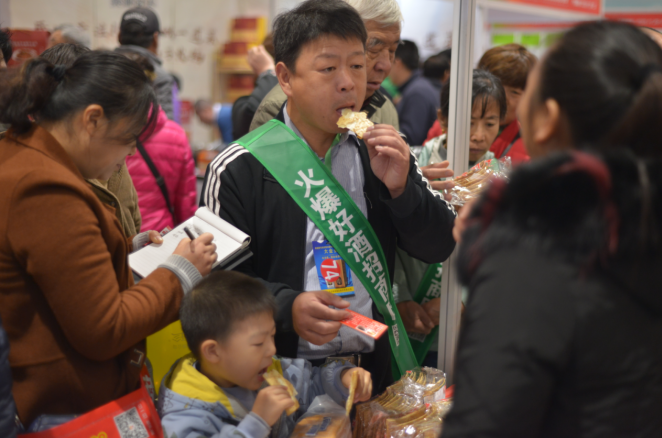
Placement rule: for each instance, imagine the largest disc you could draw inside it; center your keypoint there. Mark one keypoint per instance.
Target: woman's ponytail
(24, 93)
(639, 128)
(607, 79)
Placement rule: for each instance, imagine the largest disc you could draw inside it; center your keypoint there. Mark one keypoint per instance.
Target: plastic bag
(408, 408)
(428, 383)
(324, 419)
(472, 183)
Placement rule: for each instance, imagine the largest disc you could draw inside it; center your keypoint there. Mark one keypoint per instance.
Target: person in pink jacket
(169, 149)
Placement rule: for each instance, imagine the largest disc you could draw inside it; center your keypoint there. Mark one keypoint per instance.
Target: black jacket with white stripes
(241, 191)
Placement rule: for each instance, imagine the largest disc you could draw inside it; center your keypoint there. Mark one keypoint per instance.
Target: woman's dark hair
(588, 210)
(511, 63)
(64, 54)
(484, 86)
(52, 93)
(607, 79)
(144, 63)
(5, 44)
(311, 20)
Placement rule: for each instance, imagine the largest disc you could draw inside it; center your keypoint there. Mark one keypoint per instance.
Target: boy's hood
(185, 387)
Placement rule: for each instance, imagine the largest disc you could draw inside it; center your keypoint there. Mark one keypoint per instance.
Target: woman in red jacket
(167, 148)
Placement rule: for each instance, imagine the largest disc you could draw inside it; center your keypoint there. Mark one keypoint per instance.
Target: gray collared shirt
(347, 168)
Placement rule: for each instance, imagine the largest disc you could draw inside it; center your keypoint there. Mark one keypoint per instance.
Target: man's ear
(92, 116)
(547, 122)
(155, 42)
(210, 350)
(284, 76)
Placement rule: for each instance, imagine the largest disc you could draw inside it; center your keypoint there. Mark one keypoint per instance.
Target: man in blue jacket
(417, 109)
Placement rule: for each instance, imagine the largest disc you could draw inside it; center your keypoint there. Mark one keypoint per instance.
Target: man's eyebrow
(327, 55)
(375, 42)
(334, 56)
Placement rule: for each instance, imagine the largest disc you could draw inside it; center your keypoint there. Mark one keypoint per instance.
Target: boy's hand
(271, 402)
(364, 387)
(389, 157)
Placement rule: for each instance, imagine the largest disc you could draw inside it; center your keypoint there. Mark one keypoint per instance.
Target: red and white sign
(651, 19)
(27, 44)
(593, 7)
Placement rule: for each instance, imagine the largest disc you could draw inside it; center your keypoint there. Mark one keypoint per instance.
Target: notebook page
(147, 259)
(225, 245)
(208, 216)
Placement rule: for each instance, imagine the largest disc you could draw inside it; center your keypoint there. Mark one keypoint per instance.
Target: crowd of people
(561, 327)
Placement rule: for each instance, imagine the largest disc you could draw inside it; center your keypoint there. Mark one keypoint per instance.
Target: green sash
(312, 185)
(428, 289)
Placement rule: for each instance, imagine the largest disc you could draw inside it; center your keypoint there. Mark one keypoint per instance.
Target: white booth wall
(194, 31)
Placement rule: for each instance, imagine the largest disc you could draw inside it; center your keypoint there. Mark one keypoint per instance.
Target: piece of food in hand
(274, 378)
(357, 122)
(352, 391)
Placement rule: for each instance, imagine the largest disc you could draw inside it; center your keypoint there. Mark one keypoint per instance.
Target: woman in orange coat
(76, 322)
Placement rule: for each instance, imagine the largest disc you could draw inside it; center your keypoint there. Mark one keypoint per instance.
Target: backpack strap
(159, 179)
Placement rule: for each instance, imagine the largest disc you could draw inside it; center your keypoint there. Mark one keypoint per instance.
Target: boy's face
(330, 75)
(484, 128)
(246, 354)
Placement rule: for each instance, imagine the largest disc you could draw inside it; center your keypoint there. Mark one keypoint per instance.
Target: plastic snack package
(472, 183)
(428, 383)
(407, 409)
(425, 422)
(324, 419)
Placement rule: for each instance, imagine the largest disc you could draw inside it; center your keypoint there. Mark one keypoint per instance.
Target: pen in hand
(191, 236)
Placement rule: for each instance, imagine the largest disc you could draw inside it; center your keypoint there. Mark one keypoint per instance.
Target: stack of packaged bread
(413, 407)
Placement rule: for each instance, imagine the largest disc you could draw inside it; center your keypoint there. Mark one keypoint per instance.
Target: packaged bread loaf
(323, 426)
(472, 183)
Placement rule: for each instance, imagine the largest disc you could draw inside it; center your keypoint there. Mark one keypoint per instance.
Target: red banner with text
(593, 7)
(643, 19)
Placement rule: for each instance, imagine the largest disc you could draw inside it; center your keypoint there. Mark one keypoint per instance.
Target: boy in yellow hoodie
(218, 390)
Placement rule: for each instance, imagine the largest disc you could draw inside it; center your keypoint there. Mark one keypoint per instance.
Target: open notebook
(231, 243)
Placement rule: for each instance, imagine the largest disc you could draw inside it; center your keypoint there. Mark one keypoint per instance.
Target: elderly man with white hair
(68, 33)
(382, 19)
